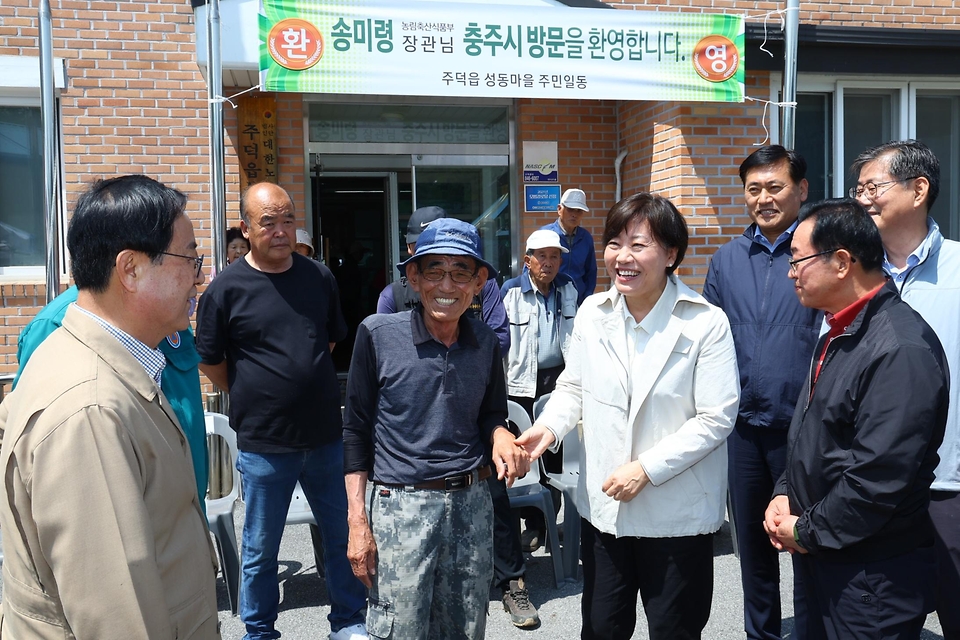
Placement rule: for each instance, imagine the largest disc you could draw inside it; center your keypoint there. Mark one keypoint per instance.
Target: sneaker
(516, 602)
(531, 540)
(353, 632)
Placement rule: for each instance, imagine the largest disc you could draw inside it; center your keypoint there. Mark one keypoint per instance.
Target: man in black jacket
(862, 446)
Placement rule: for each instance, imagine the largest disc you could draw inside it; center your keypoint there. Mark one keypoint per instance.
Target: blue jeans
(268, 483)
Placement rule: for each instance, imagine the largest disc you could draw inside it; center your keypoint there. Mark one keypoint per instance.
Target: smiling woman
(652, 372)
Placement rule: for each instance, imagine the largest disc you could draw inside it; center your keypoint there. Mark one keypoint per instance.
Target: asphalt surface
(304, 604)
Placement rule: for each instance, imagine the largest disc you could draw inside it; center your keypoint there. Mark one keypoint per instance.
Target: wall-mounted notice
(540, 162)
(538, 198)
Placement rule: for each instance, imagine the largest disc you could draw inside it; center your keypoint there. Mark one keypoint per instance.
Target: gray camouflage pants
(434, 563)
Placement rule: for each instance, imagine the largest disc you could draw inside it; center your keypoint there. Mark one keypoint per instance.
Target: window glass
(21, 187)
(813, 137)
(868, 120)
(938, 126)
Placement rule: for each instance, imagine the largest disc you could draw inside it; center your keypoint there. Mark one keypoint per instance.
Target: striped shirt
(152, 360)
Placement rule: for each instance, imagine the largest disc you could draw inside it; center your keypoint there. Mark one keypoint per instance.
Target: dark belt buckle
(456, 482)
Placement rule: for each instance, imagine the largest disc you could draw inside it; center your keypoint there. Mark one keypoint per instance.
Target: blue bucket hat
(449, 237)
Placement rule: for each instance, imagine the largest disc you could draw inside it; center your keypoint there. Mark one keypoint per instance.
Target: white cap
(304, 238)
(545, 239)
(574, 199)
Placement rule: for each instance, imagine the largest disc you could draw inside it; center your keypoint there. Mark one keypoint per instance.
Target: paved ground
(304, 604)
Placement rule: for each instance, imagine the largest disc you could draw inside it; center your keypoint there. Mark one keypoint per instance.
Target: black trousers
(757, 459)
(674, 577)
(945, 513)
(887, 598)
(508, 561)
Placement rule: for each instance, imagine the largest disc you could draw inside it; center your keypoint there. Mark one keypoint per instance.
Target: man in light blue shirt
(897, 183)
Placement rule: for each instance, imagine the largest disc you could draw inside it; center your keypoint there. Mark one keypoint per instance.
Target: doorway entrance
(353, 216)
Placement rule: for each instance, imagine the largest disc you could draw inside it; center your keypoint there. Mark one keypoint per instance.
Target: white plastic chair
(220, 511)
(528, 492)
(566, 482)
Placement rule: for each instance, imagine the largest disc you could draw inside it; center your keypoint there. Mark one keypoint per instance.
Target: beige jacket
(103, 535)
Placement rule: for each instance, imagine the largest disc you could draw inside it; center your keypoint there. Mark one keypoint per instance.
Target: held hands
(779, 524)
(362, 552)
(626, 482)
(536, 440)
(510, 460)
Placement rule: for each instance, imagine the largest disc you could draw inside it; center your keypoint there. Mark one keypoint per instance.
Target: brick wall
(917, 14)
(586, 136)
(691, 153)
(135, 102)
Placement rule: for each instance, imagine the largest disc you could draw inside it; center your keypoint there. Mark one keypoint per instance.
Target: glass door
(475, 189)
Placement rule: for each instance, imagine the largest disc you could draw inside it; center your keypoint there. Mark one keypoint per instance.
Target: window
(22, 236)
(837, 119)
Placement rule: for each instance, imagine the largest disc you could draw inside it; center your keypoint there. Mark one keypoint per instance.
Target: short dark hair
(843, 223)
(905, 159)
(774, 154)
(668, 227)
(234, 233)
(127, 212)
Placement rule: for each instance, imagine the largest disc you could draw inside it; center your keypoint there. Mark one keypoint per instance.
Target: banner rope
(222, 99)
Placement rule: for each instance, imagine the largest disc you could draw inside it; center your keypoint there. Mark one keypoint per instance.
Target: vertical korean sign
(385, 47)
(257, 140)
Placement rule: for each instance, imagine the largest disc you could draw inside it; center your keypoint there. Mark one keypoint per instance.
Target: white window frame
(21, 88)
(838, 84)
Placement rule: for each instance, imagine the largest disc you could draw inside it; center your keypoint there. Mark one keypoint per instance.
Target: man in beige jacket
(103, 535)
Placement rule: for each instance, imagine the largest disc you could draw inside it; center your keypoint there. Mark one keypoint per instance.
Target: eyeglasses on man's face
(793, 263)
(459, 276)
(872, 189)
(198, 261)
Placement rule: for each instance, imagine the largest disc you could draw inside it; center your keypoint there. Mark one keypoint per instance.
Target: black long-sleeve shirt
(417, 410)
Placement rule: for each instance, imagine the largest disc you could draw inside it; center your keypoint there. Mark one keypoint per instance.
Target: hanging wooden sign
(257, 147)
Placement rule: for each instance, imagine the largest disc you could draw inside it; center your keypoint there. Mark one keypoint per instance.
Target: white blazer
(673, 413)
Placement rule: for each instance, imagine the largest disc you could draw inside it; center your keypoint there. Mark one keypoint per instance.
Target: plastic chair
(566, 482)
(299, 511)
(220, 512)
(528, 492)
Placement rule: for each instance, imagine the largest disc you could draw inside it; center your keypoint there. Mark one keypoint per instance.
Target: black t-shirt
(274, 329)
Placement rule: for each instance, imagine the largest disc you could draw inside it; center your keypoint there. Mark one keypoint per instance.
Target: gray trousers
(434, 563)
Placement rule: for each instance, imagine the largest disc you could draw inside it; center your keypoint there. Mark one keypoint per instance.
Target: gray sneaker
(516, 602)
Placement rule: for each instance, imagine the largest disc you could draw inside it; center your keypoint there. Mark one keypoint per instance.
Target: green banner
(385, 47)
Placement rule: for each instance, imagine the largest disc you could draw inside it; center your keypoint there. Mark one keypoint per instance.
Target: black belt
(453, 483)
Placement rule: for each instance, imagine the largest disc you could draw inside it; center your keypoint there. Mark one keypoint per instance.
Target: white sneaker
(353, 632)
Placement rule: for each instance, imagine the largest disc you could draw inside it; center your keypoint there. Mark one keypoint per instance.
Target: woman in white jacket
(652, 373)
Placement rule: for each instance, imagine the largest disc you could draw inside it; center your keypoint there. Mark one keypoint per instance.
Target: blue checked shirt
(152, 360)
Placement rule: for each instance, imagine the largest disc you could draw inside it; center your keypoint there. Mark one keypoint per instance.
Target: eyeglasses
(793, 263)
(871, 188)
(197, 261)
(460, 276)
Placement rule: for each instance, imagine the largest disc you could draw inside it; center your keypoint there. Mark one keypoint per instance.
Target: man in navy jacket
(774, 337)
(580, 261)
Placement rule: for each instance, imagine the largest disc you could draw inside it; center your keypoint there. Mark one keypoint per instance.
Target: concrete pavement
(304, 603)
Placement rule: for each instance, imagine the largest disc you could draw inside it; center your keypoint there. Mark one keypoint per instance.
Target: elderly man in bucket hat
(425, 416)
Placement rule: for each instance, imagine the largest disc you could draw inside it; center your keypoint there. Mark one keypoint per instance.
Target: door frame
(393, 210)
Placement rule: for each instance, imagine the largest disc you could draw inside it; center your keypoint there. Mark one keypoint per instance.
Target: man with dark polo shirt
(426, 405)
(260, 336)
(862, 448)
